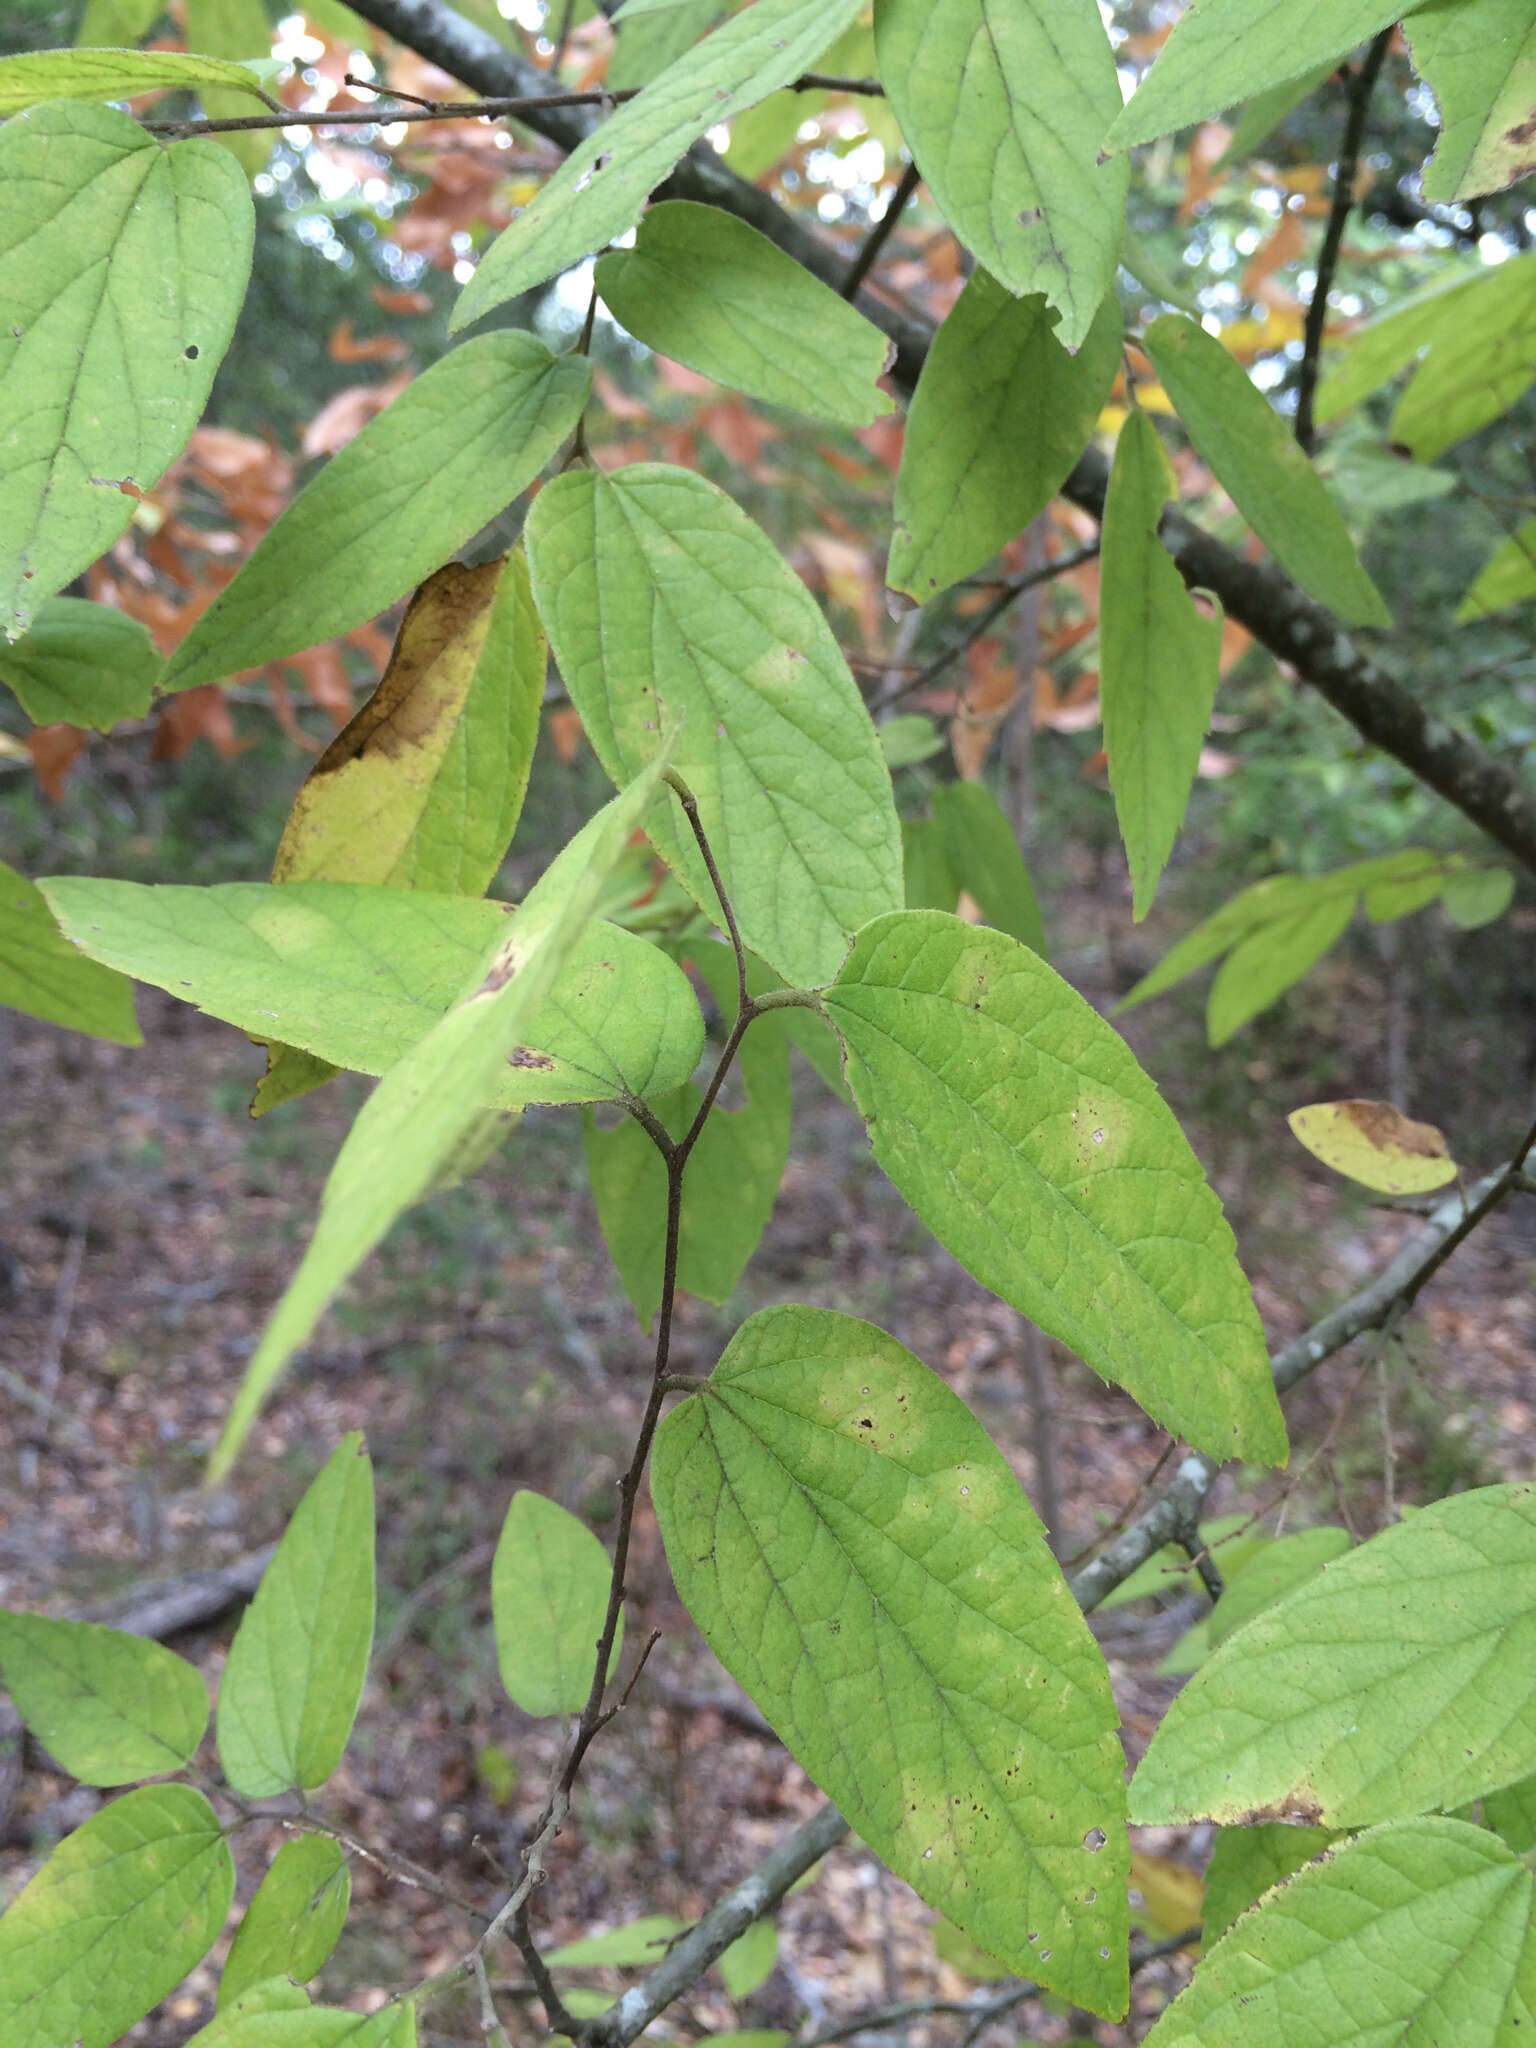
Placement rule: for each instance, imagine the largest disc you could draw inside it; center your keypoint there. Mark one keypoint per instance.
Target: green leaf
(962, 1954)
(1479, 59)
(1025, 1135)
(733, 1172)
(549, 1596)
(359, 975)
(1478, 363)
(634, 1947)
(908, 739)
(750, 2037)
(709, 291)
(423, 476)
(1511, 1813)
(1223, 51)
(1388, 1684)
(1263, 966)
(749, 1961)
(111, 1707)
(1365, 480)
(40, 75)
(1000, 414)
(1276, 1569)
(600, 188)
(426, 1118)
(1254, 456)
(1248, 1862)
(1264, 112)
(295, 1919)
(859, 1556)
(94, 311)
(294, 1677)
(117, 1916)
(1508, 576)
(650, 42)
(1159, 661)
(263, 2018)
(1375, 353)
(1189, 1652)
(113, 24)
(930, 882)
(1003, 103)
(81, 664)
(983, 857)
(1419, 1932)
(1401, 896)
(662, 598)
(1477, 898)
(1274, 931)
(236, 29)
(42, 973)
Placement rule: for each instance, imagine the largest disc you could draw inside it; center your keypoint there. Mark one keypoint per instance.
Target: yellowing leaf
(1172, 1894)
(1375, 1144)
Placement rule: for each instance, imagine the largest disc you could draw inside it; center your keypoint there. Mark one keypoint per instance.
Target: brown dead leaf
(191, 715)
(991, 688)
(1202, 175)
(410, 301)
(54, 750)
(565, 733)
(1288, 241)
(325, 679)
(346, 347)
(619, 405)
(334, 425)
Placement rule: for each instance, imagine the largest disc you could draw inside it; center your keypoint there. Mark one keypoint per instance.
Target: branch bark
(1296, 630)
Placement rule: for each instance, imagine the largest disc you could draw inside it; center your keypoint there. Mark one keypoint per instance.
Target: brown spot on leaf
(1301, 1809)
(525, 1056)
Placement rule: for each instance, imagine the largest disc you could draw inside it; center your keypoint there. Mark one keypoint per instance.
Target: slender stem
(1377, 1306)
(463, 110)
(490, 2019)
(690, 804)
(1014, 588)
(1360, 89)
(880, 233)
(560, 2020)
(566, 19)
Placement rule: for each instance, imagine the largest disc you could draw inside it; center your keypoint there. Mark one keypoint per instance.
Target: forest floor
(147, 1227)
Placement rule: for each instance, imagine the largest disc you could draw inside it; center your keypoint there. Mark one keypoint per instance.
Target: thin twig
(461, 110)
(566, 19)
(1360, 89)
(1386, 1298)
(490, 2019)
(13, 1384)
(560, 2021)
(687, 1960)
(63, 1309)
(880, 233)
(1014, 588)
